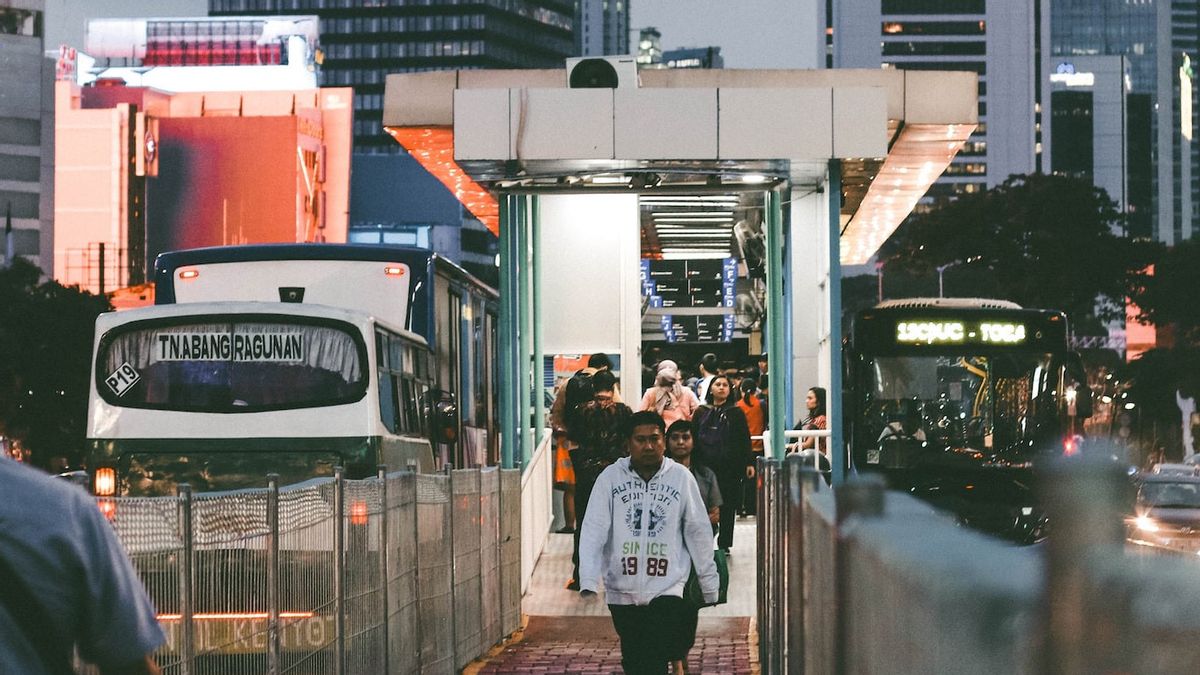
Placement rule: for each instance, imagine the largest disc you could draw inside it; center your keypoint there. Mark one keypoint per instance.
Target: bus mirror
(443, 417)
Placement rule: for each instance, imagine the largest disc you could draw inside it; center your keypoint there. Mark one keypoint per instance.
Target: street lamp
(941, 269)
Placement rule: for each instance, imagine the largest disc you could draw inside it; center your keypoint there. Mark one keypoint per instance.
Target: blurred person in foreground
(645, 528)
(66, 584)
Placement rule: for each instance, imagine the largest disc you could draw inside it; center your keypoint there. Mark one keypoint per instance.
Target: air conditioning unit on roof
(602, 72)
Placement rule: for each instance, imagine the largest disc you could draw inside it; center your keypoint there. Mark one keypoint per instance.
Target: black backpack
(712, 430)
(578, 392)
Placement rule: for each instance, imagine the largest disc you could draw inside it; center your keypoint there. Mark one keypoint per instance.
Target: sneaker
(572, 585)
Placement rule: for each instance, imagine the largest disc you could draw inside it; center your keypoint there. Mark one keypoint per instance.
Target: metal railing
(402, 572)
(862, 580)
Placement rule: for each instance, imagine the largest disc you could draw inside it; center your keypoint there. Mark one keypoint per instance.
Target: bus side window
(388, 410)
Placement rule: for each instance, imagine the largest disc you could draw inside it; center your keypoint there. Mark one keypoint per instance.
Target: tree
(45, 361)
(1167, 297)
(1039, 240)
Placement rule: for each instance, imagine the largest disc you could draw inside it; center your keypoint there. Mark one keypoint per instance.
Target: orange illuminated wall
(433, 147)
(1139, 337)
(223, 180)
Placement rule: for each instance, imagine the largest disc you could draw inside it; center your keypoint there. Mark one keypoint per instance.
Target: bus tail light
(189, 273)
(358, 512)
(108, 507)
(105, 482)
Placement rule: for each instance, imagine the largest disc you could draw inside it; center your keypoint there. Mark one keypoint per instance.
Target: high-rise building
(1153, 37)
(649, 52)
(693, 57)
(1180, 188)
(601, 27)
(26, 126)
(999, 40)
(364, 42)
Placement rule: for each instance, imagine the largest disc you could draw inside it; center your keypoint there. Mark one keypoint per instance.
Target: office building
(601, 27)
(650, 52)
(146, 161)
(26, 127)
(1153, 38)
(363, 42)
(693, 57)
(1001, 41)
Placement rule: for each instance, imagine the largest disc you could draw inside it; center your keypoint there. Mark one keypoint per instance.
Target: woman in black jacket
(723, 445)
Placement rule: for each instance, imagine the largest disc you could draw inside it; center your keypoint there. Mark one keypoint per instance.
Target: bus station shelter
(841, 156)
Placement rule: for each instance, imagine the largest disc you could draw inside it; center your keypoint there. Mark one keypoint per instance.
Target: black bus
(954, 400)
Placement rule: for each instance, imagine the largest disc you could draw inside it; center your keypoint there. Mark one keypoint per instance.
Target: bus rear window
(231, 365)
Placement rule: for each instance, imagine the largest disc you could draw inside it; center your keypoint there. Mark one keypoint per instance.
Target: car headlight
(1146, 524)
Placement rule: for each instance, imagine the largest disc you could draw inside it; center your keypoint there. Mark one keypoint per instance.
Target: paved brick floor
(587, 645)
(564, 634)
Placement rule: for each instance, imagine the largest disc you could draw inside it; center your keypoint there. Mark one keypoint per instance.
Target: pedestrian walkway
(565, 634)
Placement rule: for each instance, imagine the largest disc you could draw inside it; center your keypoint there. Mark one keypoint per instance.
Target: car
(1176, 469)
(1166, 512)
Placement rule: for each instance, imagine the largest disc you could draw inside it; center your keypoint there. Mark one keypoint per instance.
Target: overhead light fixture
(620, 179)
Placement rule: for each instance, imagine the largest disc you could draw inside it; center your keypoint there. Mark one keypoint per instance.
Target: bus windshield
(984, 402)
(231, 364)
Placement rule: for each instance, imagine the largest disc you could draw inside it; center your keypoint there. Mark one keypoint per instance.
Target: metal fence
(400, 573)
(861, 580)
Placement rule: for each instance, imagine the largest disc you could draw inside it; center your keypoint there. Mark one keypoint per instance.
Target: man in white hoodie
(646, 526)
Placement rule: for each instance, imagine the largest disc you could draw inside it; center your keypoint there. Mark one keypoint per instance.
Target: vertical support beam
(525, 323)
(384, 578)
(339, 570)
(187, 639)
(507, 334)
(776, 327)
(273, 664)
(833, 400)
(539, 410)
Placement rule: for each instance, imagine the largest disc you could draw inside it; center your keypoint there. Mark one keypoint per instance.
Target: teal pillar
(524, 379)
(507, 333)
(778, 358)
(539, 408)
(835, 397)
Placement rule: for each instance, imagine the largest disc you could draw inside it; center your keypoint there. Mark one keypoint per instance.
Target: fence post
(862, 497)
(187, 639)
(760, 542)
(1082, 497)
(799, 481)
(273, 574)
(769, 554)
(339, 570)
(383, 565)
(416, 565)
(453, 565)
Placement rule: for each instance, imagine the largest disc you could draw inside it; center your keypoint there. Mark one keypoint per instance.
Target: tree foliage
(1038, 240)
(45, 357)
(1167, 297)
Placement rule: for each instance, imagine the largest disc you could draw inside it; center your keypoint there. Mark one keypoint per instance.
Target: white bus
(244, 367)
(219, 394)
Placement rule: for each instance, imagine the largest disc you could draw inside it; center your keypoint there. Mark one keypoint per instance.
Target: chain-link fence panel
(404, 620)
(510, 551)
(364, 579)
(430, 573)
(464, 524)
(489, 556)
(434, 574)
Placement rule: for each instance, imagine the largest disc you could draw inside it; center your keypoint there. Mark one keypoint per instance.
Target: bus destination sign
(951, 332)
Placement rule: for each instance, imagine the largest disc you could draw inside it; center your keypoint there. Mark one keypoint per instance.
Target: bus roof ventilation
(950, 303)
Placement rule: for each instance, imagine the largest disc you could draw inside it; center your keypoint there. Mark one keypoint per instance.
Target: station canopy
(692, 130)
